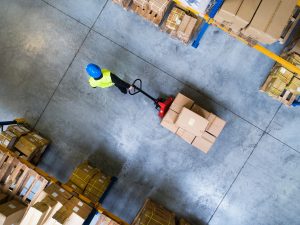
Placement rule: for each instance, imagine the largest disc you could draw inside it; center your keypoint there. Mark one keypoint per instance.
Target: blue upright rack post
(205, 25)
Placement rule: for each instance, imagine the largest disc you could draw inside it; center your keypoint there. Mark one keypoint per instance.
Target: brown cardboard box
(261, 21)
(144, 4)
(185, 29)
(11, 212)
(181, 101)
(294, 86)
(28, 146)
(61, 217)
(169, 121)
(283, 74)
(18, 130)
(35, 214)
(228, 10)
(202, 144)
(185, 135)
(216, 127)
(175, 18)
(74, 187)
(97, 186)
(244, 15)
(200, 111)
(191, 122)
(159, 6)
(277, 83)
(82, 175)
(80, 208)
(105, 220)
(7, 139)
(154, 214)
(55, 192)
(281, 18)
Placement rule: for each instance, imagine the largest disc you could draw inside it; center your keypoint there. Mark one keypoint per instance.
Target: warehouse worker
(103, 78)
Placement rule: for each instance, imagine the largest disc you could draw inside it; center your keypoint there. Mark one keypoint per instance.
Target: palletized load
(154, 214)
(192, 123)
(7, 139)
(89, 181)
(262, 20)
(32, 145)
(282, 84)
(180, 25)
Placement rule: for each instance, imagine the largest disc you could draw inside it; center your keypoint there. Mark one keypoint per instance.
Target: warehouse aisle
(249, 177)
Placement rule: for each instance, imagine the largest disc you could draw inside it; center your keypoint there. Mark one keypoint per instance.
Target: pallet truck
(12, 122)
(161, 104)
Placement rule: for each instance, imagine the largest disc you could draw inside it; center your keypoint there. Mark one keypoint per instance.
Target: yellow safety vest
(104, 82)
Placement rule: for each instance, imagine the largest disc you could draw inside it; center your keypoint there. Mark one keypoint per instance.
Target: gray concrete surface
(251, 175)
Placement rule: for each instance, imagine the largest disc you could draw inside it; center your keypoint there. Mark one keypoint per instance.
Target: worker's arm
(119, 83)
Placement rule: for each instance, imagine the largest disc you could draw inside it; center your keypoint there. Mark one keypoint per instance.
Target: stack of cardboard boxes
(56, 206)
(89, 181)
(192, 123)
(20, 139)
(181, 25)
(262, 20)
(154, 214)
(282, 84)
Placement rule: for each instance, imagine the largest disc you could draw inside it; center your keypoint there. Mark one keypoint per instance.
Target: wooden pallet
(146, 14)
(18, 179)
(123, 3)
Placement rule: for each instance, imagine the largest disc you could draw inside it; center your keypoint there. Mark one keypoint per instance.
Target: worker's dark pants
(122, 85)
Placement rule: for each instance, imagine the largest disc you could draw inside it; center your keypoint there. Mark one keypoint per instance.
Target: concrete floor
(252, 174)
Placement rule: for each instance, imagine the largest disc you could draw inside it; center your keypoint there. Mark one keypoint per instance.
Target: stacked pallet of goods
(192, 123)
(30, 145)
(282, 84)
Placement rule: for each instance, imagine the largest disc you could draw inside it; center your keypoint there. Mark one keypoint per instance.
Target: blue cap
(94, 71)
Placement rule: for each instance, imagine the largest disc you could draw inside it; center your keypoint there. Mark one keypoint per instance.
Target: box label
(54, 194)
(191, 122)
(80, 204)
(6, 143)
(12, 206)
(75, 209)
(61, 190)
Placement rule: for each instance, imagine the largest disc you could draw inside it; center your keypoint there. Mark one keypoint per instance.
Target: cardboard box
(7, 139)
(181, 101)
(228, 10)
(281, 18)
(61, 217)
(191, 122)
(185, 135)
(105, 220)
(55, 192)
(79, 208)
(169, 121)
(294, 86)
(277, 83)
(97, 186)
(216, 126)
(202, 144)
(28, 146)
(18, 130)
(74, 187)
(83, 174)
(200, 111)
(261, 21)
(11, 212)
(159, 6)
(244, 15)
(144, 4)
(175, 18)
(35, 214)
(283, 74)
(185, 29)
